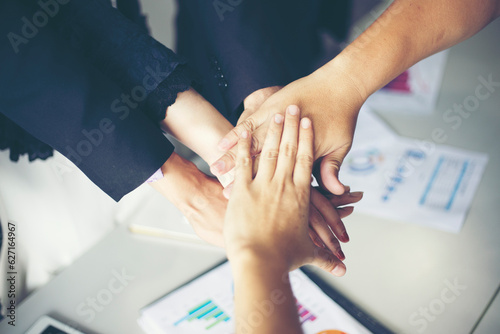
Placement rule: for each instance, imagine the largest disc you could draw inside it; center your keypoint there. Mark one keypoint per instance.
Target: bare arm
(266, 232)
(407, 32)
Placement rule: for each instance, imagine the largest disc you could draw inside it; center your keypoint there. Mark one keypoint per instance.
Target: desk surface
(395, 270)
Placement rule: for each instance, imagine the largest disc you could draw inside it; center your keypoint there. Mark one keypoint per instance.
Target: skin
(197, 124)
(407, 32)
(266, 233)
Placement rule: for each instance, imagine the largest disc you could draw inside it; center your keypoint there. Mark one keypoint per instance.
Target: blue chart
(205, 311)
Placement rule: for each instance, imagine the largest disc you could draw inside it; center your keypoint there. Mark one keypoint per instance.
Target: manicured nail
(223, 144)
(305, 123)
(218, 167)
(293, 110)
(356, 194)
(339, 270)
(345, 237)
(341, 255)
(244, 134)
(227, 191)
(278, 118)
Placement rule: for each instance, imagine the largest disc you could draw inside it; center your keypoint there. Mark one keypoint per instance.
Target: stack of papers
(409, 180)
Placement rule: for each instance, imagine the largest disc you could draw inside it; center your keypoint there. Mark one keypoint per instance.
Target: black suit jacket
(82, 78)
(239, 46)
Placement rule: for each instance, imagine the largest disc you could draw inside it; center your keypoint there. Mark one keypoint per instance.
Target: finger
(315, 238)
(318, 224)
(329, 171)
(270, 150)
(330, 215)
(234, 135)
(325, 260)
(249, 111)
(243, 170)
(305, 155)
(345, 211)
(227, 191)
(346, 198)
(225, 163)
(288, 145)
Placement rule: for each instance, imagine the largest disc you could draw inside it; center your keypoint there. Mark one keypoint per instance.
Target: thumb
(329, 172)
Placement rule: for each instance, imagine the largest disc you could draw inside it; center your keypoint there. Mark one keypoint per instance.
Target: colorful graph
(364, 161)
(304, 314)
(207, 311)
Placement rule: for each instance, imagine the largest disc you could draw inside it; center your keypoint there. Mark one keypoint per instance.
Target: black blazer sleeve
(66, 92)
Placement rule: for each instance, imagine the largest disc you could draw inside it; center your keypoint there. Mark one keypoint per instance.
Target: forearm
(262, 290)
(197, 124)
(405, 33)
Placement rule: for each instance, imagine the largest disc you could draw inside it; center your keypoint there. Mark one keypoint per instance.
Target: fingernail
(278, 118)
(217, 168)
(227, 191)
(345, 237)
(347, 189)
(244, 134)
(223, 144)
(293, 110)
(339, 270)
(341, 255)
(356, 194)
(305, 123)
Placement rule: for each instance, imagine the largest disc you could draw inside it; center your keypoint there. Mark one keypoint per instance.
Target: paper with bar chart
(206, 305)
(408, 180)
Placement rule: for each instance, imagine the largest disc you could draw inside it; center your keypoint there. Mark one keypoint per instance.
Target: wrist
(248, 256)
(341, 75)
(179, 177)
(197, 124)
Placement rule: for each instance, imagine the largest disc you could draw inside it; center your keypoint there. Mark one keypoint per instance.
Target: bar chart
(206, 311)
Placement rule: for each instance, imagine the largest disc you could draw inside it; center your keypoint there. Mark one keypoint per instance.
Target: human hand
(332, 109)
(253, 101)
(196, 195)
(267, 216)
(325, 218)
(197, 124)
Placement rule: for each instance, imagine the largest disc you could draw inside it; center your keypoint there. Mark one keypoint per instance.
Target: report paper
(414, 91)
(409, 180)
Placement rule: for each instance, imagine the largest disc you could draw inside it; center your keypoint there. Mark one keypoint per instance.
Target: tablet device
(48, 325)
(206, 305)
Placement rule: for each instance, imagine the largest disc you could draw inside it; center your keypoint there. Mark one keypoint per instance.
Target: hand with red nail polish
(266, 229)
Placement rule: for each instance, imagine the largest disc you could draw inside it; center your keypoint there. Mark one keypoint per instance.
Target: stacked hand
(199, 197)
(267, 215)
(333, 110)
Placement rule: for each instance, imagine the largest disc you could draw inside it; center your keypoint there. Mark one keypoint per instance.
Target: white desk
(393, 268)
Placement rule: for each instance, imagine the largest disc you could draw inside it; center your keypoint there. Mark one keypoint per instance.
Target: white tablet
(48, 325)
